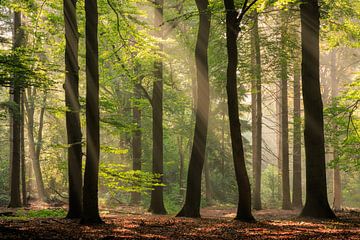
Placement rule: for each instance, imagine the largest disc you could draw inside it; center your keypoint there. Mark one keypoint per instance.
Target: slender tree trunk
(73, 126)
(191, 207)
(242, 179)
(181, 166)
(278, 142)
(157, 198)
(90, 213)
(208, 189)
(34, 149)
(337, 201)
(15, 199)
(136, 141)
(297, 179)
(256, 114)
(286, 202)
(22, 153)
(316, 204)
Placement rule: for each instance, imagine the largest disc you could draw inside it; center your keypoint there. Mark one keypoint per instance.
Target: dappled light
(179, 119)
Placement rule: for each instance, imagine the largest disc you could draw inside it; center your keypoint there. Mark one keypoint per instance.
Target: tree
(286, 202)
(256, 113)
(90, 213)
(191, 206)
(297, 187)
(73, 126)
(157, 201)
(136, 140)
(316, 204)
(15, 199)
(233, 20)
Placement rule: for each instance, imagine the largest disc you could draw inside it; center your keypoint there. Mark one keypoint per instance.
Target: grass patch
(23, 214)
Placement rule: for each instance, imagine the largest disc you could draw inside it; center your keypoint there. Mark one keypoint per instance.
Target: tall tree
(191, 206)
(286, 202)
(157, 198)
(15, 199)
(136, 140)
(22, 151)
(35, 144)
(73, 126)
(297, 186)
(90, 189)
(337, 198)
(233, 20)
(256, 112)
(316, 204)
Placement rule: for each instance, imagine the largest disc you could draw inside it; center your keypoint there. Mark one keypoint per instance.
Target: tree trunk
(181, 166)
(73, 126)
(242, 179)
(208, 189)
(337, 201)
(136, 141)
(34, 149)
(15, 199)
(191, 207)
(157, 198)
(256, 114)
(286, 202)
(90, 213)
(316, 204)
(22, 153)
(297, 178)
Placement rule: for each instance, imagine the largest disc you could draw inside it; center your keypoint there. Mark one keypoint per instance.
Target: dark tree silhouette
(73, 126)
(233, 20)
(90, 190)
(316, 205)
(157, 198)
(15, 199)
(191, 206)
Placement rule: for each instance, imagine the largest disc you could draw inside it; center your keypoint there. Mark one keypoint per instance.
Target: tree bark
(297, 178)
(256, 113)
(337, 198)
(73, 126)
(15, 199)
(157, 195)
(191, 207)
(242, 179)
(35, 148)
(181, 166)
(136, 141)
(22, 153)
(90, 213)
(286, 202)
(316, 204)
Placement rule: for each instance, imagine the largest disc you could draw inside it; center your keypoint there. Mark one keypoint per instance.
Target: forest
(179, 119)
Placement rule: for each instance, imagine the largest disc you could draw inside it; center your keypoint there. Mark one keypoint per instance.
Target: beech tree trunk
(22, 153)
(157, 198)
(316, 204)
(286, 202)
(242, 179)
(191, 207)
(73, 126)
(337, 198)
(256, 114)
(15, 199)
(136, 141)
(297, 178)
(35, 147)
(90, 213)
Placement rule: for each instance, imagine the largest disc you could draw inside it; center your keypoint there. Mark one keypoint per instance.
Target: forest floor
(217, 223)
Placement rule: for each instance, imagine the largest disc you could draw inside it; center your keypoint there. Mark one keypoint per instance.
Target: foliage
(344, 116)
